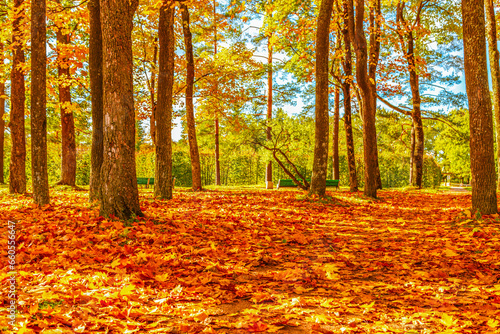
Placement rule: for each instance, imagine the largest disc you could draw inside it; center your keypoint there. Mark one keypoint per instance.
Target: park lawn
(245, 260)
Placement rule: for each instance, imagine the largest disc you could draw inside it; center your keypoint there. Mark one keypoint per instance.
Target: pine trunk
(335, 139)
(320, 162)
(484, 198)
(120, 197)
(163, 114)
(191, 126)
(68, 168)
(39, 173)
(96, 98)
(491, 30)
(17, 177)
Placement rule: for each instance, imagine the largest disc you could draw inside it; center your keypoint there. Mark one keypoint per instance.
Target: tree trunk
(367, 85)
(484, 198)
(120, 197)
(163, 115)
(217, 153)
(17, 177)
(346, 90)
(320, 161)
(269, 167)
(39, 173)
(491, 30)
(152, 122)
(216, 124)
(68, 167)
(412, 153)
(335, 139)
(2, 129)
(96, 98)
(191, 126)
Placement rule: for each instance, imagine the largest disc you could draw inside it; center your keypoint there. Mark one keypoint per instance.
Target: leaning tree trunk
(346, 90)
(68, 165)
(120, 196)
(484, 198)
(39, 173)
(17, 181)
(191, 127)
(335, 139)
(163, 115)
(320, 161)
(491, 30)
(96, 98)
(2, 130)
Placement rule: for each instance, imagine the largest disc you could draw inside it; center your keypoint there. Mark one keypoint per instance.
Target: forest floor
(240, 261)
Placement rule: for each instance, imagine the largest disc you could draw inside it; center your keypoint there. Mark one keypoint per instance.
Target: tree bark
(39, 173)
(163, 115)
(484, 198)
(346, 90)
(120, 196)
(96, 98)
(216, 123)
(17, 177)
(320, 161)
(68, 166)
(417, 158)
(269, 167)
(2, 130)
(152, 122)
(191, 126)
(491, 31)
(366, 82)
(412, 153)
(335, 139)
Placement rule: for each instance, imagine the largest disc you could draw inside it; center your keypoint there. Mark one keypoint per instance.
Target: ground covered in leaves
(255, 261)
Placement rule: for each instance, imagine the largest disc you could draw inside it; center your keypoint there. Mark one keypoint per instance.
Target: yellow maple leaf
(493, 323)
(127, 290)
(447, 320)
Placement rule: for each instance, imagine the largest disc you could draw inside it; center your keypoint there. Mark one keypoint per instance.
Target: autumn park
(260, 166)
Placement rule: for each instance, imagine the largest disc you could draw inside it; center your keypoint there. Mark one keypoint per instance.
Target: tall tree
(120, 196)
(2, 128)
(39, 173)
(366, 65)
(217, 135)
(320, 162)
(68, 163)
(346, 90)
(494, 57)
(96, 97)
(269, 166)
(484, 197)
(335, 139)
(163, 113)
(407, 41)
(191, 126)
(17, 182)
